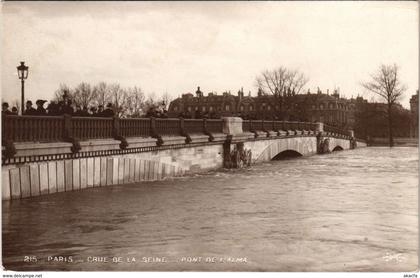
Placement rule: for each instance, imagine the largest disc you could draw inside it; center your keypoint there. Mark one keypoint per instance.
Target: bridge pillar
(321, 142)
(232, 125)
(319, 127)
(234, 154)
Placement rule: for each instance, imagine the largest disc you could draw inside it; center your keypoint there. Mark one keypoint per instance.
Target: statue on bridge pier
(323, 144)
(239, 157)
(353, 143)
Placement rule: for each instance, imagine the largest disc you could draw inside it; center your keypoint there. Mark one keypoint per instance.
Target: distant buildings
(313, 107)
(331, 109)
(414, 109)
(367, 119)
(372, 120)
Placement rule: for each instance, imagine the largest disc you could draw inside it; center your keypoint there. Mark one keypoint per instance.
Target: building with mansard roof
(414, 118)
(331, 109)
(367, 119)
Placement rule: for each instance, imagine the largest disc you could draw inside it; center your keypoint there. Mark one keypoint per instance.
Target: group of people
(65, 107)
(60, 108)
(156, 113)
(5, 109)
(198, 115)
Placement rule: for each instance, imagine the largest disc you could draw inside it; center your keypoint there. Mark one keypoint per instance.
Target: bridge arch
(266, 150)
(338, 144)
(287, 154)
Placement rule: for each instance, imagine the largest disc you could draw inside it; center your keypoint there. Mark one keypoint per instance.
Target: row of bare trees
(385, 83)
(126, 102)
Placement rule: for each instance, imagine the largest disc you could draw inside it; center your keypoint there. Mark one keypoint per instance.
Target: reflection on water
(347, 211)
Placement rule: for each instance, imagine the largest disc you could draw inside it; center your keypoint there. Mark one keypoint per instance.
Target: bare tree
(281, 79)
(134, 102)
(61, 91)
(83, 95)
(283, 83)
(126, 101)
(101, 91)
(165, 99)
(152, 104)
(119, 99)
(386, 84)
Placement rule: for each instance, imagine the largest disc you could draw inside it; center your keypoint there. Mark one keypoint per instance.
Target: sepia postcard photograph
(231, 136)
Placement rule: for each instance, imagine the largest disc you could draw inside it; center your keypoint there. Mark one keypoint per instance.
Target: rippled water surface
(347, 211)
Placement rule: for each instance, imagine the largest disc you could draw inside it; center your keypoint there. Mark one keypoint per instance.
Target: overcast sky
(175, 47)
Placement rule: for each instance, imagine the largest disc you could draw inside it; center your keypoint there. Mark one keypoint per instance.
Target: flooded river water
(346, 211)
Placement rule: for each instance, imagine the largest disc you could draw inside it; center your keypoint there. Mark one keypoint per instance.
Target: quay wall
(40, 178)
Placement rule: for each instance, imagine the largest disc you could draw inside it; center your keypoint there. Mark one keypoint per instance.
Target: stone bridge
(301, 146)
(45, 155)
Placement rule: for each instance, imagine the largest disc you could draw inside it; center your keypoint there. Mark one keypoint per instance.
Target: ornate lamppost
(23, 74)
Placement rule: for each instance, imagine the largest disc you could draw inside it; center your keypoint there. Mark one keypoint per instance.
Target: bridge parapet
(232, 125)
(335, 131)
(44, 155)
(86, 136)
(57, 128)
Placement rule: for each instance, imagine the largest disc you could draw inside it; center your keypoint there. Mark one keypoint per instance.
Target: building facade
(414, 115)
(367, 119)
(330, 109)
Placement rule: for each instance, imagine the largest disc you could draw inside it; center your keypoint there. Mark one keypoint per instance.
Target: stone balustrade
(58, 128)
(66, 135)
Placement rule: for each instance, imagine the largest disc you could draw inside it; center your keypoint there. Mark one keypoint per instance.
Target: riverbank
(400, 142)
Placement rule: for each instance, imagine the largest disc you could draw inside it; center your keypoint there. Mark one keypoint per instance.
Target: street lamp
(23, 74)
